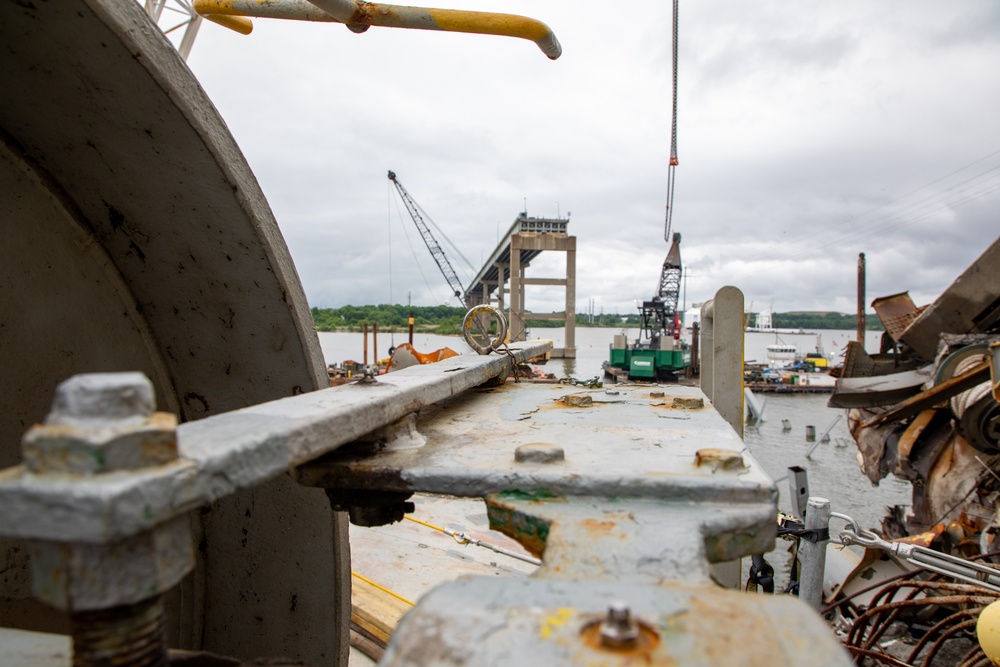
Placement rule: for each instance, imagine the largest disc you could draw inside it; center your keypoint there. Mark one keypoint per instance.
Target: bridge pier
(525, 240)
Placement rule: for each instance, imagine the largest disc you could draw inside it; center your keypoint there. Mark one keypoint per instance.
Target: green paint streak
(537, 494)
(530, 531)
(147, 513)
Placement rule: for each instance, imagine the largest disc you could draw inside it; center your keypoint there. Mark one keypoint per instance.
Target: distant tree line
(441, 319)
(822, 320)
(448, 319)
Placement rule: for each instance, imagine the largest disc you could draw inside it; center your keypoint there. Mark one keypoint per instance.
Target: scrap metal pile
(926, 408)
(923, 407)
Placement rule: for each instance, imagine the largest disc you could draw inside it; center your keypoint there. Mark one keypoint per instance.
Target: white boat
(780, 355)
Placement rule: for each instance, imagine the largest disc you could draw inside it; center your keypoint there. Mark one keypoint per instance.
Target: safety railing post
(722, 354)
(812, 554)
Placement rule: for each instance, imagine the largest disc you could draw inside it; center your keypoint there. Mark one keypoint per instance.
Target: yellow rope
(424, 523)
(382, 588)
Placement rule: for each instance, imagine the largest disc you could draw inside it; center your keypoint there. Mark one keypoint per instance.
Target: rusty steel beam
(928, 399)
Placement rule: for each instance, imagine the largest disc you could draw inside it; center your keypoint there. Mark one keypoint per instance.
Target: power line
(890, 222)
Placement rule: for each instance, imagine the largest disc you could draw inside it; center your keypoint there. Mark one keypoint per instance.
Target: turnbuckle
(951, 566)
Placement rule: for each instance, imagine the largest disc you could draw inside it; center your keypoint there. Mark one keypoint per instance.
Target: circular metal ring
(501, 328)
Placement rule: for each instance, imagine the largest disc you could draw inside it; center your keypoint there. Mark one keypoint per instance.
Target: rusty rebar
(945, 636)
(939, 627)
(884, 658)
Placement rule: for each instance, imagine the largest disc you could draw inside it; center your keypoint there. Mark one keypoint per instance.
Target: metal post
(410, 325)
(798, 481)
(726, 312)
(364, 360)
(861, 299)
(812, 555)
(374, 343)
(695, 368)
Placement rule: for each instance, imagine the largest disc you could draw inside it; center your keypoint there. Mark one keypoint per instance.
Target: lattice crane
(432, 244)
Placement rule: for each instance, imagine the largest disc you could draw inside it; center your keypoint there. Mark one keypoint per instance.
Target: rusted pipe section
(358, 16)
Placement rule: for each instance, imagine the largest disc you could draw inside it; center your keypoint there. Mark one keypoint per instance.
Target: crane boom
(670, 282)
(435, 248)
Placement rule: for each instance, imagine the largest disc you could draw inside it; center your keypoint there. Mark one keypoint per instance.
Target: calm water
(833, 468)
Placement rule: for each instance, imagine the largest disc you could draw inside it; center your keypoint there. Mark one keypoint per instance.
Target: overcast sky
(807, 133)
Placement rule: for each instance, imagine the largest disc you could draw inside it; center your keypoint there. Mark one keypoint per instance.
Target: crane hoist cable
(673, 135)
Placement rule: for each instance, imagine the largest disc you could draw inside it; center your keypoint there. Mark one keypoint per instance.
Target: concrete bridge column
(571, 297)
(515, 314)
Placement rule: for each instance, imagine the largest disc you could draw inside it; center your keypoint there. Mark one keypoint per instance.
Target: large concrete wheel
(135, 237)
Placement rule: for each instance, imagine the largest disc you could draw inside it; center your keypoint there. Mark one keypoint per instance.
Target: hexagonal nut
(101, 447)
(102, 397)
(85, 577)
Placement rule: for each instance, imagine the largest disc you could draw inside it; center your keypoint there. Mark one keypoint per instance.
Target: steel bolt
(103, 422)
(619, 629)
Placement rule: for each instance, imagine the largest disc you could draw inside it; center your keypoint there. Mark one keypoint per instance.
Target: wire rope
(673, 134)
(414, 253)
(893, 220)
(388, 215)
(928, 206)
(451, 245)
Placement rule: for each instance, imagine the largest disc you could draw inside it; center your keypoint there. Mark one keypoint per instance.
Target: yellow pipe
(395, 16)
(242, 25)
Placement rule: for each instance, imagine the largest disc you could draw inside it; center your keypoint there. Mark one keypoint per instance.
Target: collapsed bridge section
(505, 273)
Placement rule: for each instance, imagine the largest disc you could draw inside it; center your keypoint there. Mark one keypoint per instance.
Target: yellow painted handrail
(359, 15)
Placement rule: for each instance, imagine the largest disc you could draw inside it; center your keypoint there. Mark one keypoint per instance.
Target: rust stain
(719, 459)
(647, 642)
(597, 526)
(560, 404)
(747, 634)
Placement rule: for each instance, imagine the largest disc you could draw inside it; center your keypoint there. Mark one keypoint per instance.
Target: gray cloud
(807, 134)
